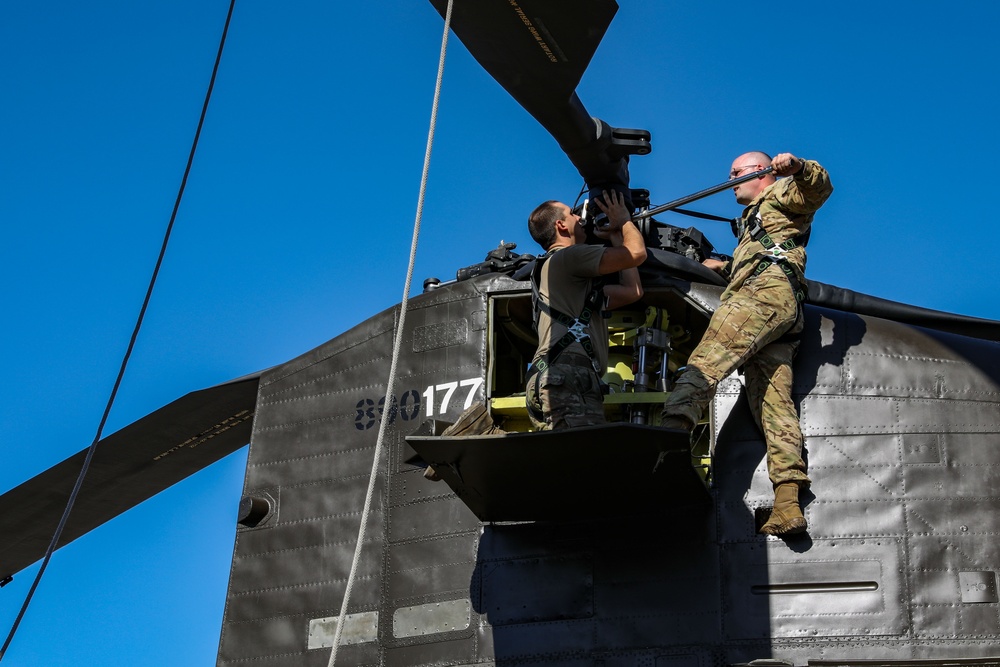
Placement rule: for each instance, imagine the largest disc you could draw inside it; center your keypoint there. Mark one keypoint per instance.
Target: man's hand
(613, 206)
(786, 164)
(716, 265)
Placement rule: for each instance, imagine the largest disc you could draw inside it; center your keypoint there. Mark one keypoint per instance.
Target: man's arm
(629, 291)
(809, 186)
(627, 251)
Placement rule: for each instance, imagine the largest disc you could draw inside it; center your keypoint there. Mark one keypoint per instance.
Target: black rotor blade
(538, 50)
(128, 467)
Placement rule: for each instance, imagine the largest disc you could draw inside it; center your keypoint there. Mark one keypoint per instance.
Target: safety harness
(576, 327)
(774, 252)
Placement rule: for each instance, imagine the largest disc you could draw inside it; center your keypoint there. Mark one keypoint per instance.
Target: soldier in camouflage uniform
(757, 321)
(563, 385)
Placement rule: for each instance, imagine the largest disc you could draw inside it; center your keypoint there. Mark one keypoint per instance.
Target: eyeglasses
(736, 172)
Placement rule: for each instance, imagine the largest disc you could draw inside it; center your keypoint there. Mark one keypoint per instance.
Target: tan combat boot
(476, 420)
(786, 517)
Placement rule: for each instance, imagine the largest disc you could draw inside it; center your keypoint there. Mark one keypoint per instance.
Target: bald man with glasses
(759, 319)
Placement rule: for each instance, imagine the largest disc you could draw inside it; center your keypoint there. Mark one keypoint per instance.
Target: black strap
(774, 252)
(766, 261)
(703, 216)
(535, 413)
(576, 326)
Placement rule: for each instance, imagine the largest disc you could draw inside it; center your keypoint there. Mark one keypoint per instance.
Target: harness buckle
(578, 331)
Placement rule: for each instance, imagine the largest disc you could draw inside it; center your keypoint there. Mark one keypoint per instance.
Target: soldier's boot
(476, 420)
(786, 517)
(676, 422)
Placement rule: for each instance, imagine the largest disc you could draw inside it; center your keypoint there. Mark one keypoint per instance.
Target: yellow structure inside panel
(618, 407)
(640, 359)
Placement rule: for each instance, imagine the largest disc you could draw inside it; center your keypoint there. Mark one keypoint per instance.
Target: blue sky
(298, 215)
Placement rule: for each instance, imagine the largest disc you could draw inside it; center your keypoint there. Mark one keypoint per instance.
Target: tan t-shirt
(565, 284)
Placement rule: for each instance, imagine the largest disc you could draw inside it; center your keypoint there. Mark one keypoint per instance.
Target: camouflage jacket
(786, 211)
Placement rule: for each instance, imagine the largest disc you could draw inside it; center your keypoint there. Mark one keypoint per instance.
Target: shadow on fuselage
(677, 586)
(649, 585)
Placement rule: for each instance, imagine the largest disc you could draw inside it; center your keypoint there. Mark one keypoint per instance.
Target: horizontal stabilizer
(568, 474)
(128, 467)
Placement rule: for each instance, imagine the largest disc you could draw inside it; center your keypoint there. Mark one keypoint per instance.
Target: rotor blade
(128, 467)
(538, 50)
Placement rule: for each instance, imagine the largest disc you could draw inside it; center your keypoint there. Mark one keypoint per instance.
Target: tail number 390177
(436, 399)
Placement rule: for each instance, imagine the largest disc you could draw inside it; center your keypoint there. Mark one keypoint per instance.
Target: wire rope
(128, 352)
(391, 384)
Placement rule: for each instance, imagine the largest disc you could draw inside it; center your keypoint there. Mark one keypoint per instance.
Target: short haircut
(542, 222)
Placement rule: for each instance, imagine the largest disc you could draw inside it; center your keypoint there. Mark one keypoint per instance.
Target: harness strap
(774, 252)
(576, 326)
(793, 280)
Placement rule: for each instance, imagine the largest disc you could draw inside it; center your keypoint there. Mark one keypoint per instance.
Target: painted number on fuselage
(445, 390)
(370, 412)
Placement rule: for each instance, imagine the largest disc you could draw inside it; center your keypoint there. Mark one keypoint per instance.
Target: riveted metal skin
(899, 565)
(899, 562)
(607, 564)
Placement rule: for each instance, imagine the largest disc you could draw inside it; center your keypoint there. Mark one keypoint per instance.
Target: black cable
(577, 201)
(131, 344)
(703, 216)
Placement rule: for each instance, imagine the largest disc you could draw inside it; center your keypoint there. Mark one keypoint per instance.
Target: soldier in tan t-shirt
(563, 385)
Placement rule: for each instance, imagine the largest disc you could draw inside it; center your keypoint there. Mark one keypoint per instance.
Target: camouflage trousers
(567, 393)
(746, 331)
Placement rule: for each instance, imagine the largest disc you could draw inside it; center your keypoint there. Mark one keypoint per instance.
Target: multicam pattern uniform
(568, 392)
(752, 326)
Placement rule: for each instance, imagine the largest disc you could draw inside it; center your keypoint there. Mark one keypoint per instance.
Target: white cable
(391, 385)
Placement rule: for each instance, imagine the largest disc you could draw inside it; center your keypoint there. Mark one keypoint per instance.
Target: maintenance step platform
(569, 474)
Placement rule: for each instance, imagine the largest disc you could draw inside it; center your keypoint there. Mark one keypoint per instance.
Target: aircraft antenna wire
(128, 352)
(579, 196)
(396, 345)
